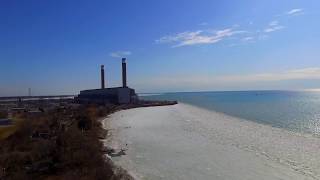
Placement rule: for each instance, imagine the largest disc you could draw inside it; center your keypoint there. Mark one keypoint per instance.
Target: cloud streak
(247, 39)
(119, 54)
(198, 37)
(202, 37)
(295, 12)
(273, 26)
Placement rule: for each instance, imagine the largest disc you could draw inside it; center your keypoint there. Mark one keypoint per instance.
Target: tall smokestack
(124, 73)
(102, 76)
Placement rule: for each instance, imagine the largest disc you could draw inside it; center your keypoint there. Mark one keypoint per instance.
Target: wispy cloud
(274, 23)
(295, 12)
(198, 37)
(249, 38)
(273, 26)
(207, 36)
(119, 54)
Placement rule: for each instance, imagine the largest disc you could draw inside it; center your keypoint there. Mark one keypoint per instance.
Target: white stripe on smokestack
(124, 73)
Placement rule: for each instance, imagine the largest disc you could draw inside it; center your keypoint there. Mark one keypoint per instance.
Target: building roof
(112, 88)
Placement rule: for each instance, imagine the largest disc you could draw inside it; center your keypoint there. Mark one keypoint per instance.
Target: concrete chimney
(124, 73)
(102, 77)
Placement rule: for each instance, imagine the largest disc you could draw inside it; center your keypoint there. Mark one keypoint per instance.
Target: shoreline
(119, 171)
(296, 133)
(254, 143)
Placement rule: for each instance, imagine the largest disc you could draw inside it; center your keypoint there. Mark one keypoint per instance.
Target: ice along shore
(187, 142)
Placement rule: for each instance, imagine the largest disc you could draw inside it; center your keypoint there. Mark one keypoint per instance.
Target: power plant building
(115, 95)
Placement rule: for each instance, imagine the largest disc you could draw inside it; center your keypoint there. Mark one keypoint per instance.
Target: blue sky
(56, 47)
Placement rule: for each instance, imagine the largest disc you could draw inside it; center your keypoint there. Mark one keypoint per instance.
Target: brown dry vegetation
(3, 114)
(63, 144)
(6, 131)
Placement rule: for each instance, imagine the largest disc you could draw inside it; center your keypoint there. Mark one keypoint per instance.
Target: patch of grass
(6, 131)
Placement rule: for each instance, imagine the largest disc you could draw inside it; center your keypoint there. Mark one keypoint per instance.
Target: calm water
(293, 110)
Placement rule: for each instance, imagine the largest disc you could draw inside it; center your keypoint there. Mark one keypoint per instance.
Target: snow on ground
(186, 142)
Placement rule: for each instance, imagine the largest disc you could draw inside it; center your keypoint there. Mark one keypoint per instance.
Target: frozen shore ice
(187, 142)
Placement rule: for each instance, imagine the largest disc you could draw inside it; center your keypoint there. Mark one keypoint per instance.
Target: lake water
(297, 111)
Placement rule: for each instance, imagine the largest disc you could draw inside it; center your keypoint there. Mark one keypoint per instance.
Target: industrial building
(114, 95)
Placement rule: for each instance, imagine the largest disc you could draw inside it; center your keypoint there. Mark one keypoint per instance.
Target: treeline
(63, 144)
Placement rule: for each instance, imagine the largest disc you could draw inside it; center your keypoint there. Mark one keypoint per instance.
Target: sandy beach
(187, 142)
